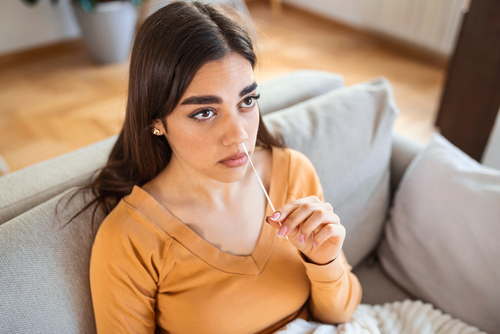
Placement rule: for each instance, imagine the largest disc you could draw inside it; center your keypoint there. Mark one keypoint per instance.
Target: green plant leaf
(87, 5)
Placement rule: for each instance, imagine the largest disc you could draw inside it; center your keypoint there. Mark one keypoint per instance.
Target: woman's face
(217, 113)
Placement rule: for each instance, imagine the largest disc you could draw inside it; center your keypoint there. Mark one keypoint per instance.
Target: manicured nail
(301, 238)
(282, 231)
(275, 216)
(314, 244)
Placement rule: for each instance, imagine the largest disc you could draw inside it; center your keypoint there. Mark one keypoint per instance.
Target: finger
(318, 218)
(276, 225)
(301, 214)
(273, 223)
(302, 246)
(328, 231)
(275, 220)
(283, 212)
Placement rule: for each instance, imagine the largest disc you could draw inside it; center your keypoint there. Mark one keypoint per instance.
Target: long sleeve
(125, 270)
(335, 290)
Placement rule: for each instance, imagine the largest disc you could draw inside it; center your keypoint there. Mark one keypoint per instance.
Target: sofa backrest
(404, 149)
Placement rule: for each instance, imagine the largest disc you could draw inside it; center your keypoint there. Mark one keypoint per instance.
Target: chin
(230, 175)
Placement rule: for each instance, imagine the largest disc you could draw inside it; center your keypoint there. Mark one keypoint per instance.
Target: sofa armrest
(26, 188)
(404, 149)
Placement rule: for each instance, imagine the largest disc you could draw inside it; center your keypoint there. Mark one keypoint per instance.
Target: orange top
(148, 270)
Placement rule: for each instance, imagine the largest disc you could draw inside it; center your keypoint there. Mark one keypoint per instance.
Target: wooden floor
(55, 99)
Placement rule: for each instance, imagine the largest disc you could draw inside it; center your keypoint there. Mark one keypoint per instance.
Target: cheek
(195, 146)
(182, 140)
(192, 141)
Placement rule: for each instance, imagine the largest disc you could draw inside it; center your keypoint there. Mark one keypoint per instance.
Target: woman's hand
(312, 227)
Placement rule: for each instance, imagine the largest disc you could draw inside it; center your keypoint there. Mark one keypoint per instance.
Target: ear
(159, 125)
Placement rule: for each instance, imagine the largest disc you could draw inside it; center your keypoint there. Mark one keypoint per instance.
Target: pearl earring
(156, 131)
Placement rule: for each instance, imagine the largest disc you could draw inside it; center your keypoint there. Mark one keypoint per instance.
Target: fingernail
(301, 238)
(314, 244)
(282, 231)
(275, 216)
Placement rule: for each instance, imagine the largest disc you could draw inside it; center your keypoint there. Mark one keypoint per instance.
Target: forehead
(224, 76)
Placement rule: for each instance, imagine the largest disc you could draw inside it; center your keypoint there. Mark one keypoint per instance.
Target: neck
(191, 185)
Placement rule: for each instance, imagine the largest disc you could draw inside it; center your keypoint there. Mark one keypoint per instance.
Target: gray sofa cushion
(441, 243)
(51, 177)
(347, 135)
(378, 288)
(44, 272)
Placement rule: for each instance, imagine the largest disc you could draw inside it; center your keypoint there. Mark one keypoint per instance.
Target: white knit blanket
(407, 317)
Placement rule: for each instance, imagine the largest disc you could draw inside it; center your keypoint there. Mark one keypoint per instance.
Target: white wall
(491, 155)
(429, 24)
(25, 27)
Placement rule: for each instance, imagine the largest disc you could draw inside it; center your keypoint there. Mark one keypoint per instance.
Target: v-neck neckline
(252, 264)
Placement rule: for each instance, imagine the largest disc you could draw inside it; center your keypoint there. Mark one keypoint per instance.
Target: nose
(234, 132)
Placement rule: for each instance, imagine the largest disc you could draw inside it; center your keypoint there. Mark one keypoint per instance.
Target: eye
(250, 101)
(202, 115)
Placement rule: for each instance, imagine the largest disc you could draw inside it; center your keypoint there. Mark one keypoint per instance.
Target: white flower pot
(109, 30)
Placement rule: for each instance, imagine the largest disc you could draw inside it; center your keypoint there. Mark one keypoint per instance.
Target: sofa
(347, 133)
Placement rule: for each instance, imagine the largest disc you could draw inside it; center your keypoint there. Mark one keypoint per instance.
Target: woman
(183, 248)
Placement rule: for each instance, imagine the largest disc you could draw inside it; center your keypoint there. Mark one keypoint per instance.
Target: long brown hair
(169, 48)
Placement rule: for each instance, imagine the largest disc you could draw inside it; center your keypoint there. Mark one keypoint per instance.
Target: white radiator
(432, 24)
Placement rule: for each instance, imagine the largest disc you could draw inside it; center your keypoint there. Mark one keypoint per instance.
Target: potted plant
(108, 26)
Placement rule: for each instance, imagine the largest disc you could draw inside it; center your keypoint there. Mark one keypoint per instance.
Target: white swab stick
(264, 189)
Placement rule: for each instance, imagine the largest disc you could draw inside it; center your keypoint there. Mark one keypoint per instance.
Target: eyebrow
(209, 99)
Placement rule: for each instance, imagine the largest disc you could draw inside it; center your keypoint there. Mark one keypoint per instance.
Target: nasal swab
(264, 189)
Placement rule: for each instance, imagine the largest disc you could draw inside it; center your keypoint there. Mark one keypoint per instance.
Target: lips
(234, 156)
